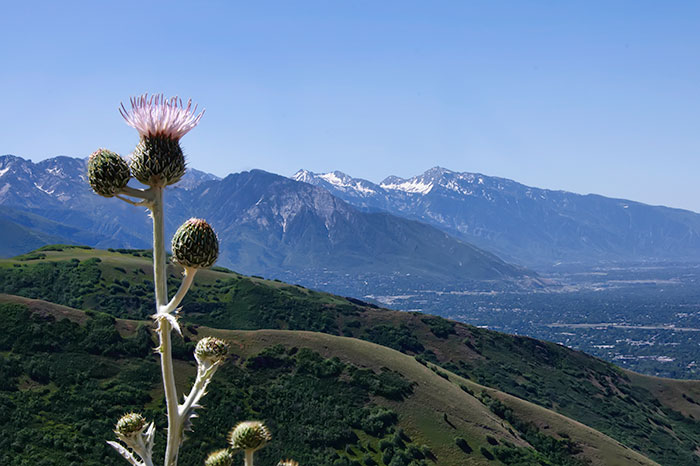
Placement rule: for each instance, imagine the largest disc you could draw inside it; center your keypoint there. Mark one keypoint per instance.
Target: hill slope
(656, 417)
(418, 413)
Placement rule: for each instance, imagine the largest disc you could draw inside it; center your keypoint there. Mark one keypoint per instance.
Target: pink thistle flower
(157, 116)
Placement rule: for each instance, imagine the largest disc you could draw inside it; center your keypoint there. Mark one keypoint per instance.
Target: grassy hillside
(656, 417)
(328, 399)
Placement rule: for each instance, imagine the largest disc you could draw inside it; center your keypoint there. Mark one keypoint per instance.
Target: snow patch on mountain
(44, 190)
(410, 186)
(56, 171)
(338, 180)
(334, 179)
(454, 185)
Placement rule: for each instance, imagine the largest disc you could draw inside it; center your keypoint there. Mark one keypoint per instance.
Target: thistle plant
(157, 162)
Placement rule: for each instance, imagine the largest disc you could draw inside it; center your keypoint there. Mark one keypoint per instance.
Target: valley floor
(641, 317)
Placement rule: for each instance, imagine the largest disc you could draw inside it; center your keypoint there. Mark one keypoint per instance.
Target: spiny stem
(204, 376)
(160, 277)
(126, 454)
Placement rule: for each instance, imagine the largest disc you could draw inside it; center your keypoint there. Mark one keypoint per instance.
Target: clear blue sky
(585, 96)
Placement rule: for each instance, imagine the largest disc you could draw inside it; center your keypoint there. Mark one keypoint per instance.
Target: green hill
(329, 399)
(655, 417)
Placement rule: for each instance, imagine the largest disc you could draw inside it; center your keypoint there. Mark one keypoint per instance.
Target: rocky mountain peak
(435, 173)
(305, 176)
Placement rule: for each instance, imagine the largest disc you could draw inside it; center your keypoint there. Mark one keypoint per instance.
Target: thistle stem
(127, 455)
(204, 375)
(146, 194)
(249, 457)
(159, 267)
(181, 292)
(126, 199)
(160, 277)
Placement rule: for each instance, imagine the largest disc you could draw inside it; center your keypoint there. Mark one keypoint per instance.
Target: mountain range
(52, 197)
(268, 225)
(440, 229)
(530, 226)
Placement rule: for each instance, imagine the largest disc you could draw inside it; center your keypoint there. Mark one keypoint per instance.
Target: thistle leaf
(125, 453)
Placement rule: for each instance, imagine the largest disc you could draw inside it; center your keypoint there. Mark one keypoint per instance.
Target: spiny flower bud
(222, 457)
(108, 173)
(195, 244)
(249, 435)
(288, 463)
(210, 349)
(158, 161)
(130, 424)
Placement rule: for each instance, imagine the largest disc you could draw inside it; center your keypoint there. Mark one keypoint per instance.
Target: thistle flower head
(108, 173)
(195, 244)
(288, 463)
(156, 116)
(210, 349)
(249, 435)
(222, 457)
(130, 424)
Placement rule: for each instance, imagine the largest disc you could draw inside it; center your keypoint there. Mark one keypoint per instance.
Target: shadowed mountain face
(537, 227)
(270, 221)
(53, 197)
(267, 224)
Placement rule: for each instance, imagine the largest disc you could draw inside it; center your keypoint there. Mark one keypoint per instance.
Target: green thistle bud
(108, 173)
(195, 244)
(158, 161)
(210, 349)
(220, 458)
(249, 435)
(288, 463)
(130, 424)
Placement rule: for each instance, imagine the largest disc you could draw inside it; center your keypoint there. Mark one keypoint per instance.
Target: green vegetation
(584, 388)
(549, 450)
(589, 390)
(441, 328)
(64, 384)
(333, 411)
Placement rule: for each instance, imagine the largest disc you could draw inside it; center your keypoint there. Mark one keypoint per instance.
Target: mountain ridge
(306, 224)
(532, 226)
